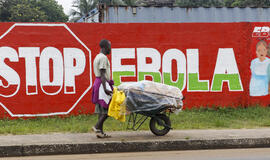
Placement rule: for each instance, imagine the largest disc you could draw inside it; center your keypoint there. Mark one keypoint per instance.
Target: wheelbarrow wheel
(160, 125)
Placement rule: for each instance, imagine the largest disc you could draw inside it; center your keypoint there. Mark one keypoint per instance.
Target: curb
(137, 146)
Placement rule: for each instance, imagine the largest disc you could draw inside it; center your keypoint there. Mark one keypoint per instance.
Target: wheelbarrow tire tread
(154, 122)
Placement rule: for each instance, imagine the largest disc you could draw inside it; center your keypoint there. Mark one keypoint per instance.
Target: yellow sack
(116, 109)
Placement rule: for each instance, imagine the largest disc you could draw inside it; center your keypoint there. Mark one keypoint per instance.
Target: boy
(102, 88)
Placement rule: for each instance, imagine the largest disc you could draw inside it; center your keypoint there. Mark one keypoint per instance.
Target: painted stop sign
(40, 64)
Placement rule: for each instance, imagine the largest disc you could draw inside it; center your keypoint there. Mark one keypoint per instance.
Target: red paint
(207, 37)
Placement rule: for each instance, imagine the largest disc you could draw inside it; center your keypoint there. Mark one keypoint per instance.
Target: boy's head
(261, 49)
(105, 45)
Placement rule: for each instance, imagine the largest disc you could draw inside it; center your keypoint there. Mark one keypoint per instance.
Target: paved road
(230, 154)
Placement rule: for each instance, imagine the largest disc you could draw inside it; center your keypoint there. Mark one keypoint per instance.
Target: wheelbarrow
(143, 105)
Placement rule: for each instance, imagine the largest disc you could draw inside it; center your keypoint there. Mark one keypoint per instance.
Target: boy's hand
(108, 92)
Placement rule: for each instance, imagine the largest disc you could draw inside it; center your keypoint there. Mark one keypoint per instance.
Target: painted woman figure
(259, 83)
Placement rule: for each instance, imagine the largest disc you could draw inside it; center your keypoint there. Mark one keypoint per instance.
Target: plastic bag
(116, 108)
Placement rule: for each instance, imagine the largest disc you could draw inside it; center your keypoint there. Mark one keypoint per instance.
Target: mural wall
(46, 69)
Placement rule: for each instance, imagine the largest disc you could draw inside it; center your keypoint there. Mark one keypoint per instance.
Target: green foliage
(31, 11)
(82, 8)
(222, 3)
(113, 2)
(228, 3)
(198, 3)
(251, 3)
(130, 2)
(26, 13)
(53, 11)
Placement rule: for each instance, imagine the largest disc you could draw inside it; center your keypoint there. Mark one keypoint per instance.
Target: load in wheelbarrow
(147, 99)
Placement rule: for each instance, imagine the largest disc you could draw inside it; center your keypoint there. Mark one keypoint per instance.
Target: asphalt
(132, 141)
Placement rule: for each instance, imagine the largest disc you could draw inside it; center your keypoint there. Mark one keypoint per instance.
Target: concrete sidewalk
(133, 141)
